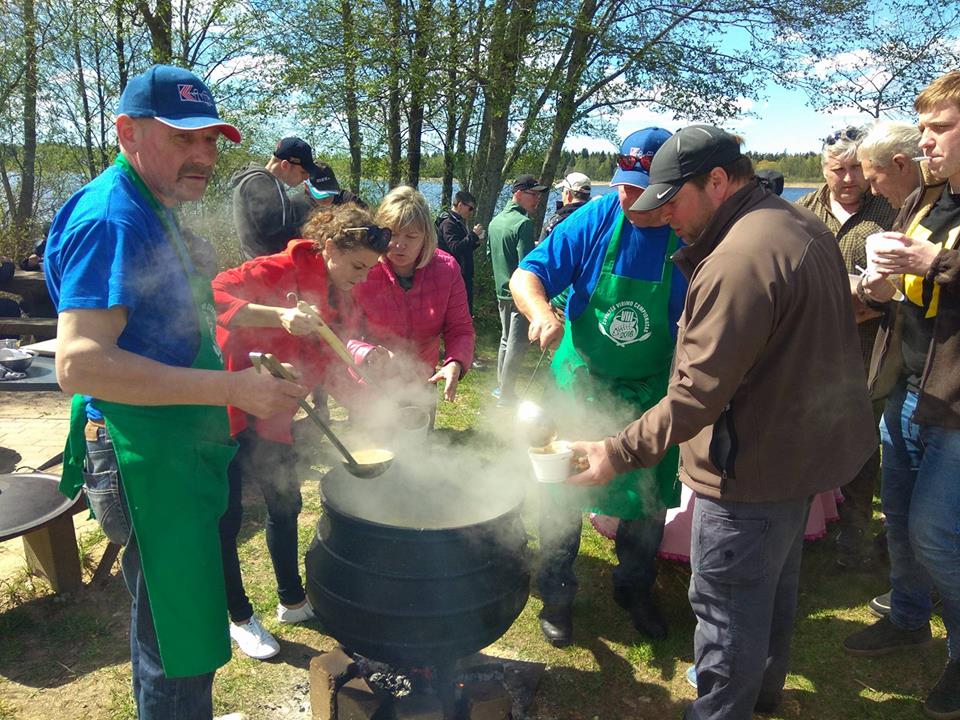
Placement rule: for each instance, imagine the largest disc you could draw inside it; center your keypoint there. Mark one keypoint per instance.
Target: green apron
(173, 460)
(612, 365)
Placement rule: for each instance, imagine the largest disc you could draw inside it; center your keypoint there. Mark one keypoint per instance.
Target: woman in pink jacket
(414, 300)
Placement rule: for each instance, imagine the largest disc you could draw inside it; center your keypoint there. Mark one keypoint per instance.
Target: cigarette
(918, 159)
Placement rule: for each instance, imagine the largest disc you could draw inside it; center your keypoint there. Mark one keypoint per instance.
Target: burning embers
(352, 687)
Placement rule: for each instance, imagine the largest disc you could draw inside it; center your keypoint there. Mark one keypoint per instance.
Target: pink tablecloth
(676, 532)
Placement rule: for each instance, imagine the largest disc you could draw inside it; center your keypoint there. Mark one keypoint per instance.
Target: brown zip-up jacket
(939, 402)
(767, 398)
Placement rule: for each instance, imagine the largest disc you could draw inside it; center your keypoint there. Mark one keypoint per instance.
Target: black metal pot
(400, 573)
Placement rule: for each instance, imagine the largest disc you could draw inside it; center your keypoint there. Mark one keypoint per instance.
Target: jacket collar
(513, 206)
(732, 209)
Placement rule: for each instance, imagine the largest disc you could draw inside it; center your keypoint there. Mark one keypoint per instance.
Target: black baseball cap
(527, 182)
(692, 151)
(323, 183)
(293, 149)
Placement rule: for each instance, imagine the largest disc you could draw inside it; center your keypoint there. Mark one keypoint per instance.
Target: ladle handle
(276, 368)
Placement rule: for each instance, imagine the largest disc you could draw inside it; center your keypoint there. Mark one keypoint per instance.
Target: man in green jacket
(510, 238)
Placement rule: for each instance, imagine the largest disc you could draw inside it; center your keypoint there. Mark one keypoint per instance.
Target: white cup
(877, 243)
(552, 464)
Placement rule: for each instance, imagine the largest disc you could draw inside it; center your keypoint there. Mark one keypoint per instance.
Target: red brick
(487, 701)
(356, 701)
(418, 707)
(328, 672)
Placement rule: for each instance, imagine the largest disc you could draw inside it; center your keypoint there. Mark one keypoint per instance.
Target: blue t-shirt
(573, 255)
(107, 247)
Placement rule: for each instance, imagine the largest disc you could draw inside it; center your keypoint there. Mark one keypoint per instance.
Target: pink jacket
(412, 321)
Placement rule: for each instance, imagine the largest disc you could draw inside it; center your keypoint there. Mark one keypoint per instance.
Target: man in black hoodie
(263, 213)
(454, 237)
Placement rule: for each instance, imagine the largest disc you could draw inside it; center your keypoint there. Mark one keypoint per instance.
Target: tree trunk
(24, 210)
(450, 104)
(423, 33)
(582, 39)
(159, 24)
(354, 138)
(394, 171)
(82, 92)
(500, 89)
(119, 44)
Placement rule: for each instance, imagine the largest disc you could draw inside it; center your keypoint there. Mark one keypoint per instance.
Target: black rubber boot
(556, 622)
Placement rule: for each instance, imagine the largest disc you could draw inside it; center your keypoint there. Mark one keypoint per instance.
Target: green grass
(69, 657)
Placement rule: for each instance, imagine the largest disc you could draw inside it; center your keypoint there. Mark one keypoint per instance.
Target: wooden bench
(37, 327)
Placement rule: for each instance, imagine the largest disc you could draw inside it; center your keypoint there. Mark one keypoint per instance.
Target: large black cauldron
(413, 570)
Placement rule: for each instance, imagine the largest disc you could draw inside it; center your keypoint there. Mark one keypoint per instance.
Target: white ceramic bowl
(552, 464)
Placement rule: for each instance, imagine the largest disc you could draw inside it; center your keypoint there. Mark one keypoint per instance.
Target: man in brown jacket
(767, 400)
(920, 430)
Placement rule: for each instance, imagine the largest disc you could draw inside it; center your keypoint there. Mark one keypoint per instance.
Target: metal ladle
(532, 422)
(357, 469)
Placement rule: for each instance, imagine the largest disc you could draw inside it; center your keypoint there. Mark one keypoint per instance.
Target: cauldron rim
(330, 507)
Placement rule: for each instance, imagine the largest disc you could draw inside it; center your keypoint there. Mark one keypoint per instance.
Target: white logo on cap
(660, 195)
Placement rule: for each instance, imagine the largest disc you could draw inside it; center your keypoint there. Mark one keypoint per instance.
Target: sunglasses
(375, 237)
(632, 162)
(471, 208)
(850, 133)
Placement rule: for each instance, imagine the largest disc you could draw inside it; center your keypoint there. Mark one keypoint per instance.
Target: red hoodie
(266, 281)
(412, 321)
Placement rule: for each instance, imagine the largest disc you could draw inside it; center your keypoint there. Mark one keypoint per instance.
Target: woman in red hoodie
(414, 299)
(254, 314)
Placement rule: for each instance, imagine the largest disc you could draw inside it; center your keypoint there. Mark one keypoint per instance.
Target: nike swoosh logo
(660, 195)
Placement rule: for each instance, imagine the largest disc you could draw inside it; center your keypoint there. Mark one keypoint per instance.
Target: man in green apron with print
(149, 439)
(612, 361)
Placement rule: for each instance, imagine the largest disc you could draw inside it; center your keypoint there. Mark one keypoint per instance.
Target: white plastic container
(552, 464)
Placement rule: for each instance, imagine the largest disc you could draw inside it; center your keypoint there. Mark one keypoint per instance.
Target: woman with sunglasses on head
(413, 301)
(340, 246)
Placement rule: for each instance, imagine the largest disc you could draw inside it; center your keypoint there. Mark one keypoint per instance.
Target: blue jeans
(273, 466)
(513, 346)
(157, 697)
(921, 502)
(745, 559)
(636, 543)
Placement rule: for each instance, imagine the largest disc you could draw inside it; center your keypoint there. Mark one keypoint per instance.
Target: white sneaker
(254, 640)
(295, 615)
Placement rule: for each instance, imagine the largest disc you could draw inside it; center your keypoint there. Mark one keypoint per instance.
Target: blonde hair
(330, 224)
(405, 206)
(945, 88)
(888, 138)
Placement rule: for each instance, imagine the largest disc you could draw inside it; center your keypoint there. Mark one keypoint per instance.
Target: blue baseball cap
(641, 146)
(175, 97)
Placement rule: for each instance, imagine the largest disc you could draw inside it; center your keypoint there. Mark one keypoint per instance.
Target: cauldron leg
(447, 688)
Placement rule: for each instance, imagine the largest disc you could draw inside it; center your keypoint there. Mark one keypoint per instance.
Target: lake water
(432, 191)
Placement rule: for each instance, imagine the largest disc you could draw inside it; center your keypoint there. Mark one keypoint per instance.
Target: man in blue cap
(612, 363)
(149, 439)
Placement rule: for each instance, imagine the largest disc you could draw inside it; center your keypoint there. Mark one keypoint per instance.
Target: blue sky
(782, 121)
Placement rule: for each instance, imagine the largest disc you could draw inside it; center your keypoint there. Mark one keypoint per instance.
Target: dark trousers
(637, 542)
(273, 466)
(857, 509)
(745, 559)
